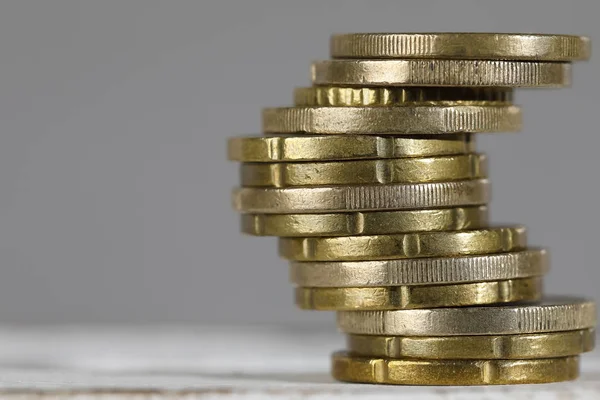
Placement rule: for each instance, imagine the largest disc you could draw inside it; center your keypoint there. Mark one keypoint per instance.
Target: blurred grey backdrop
(114, 184)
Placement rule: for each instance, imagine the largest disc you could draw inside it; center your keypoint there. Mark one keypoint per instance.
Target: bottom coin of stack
(525, 343)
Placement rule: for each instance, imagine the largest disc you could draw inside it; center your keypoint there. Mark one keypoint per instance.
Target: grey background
(114, 184)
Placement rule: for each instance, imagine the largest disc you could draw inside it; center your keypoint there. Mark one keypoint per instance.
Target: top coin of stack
(374, 186)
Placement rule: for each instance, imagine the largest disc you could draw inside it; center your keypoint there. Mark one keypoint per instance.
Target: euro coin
(358, 369)
(398, 170)
(408, 245)
(365, 223)
(337, 96)
(528, 346)
(479, 46)
(340, 148)
(469, 73)
(421, 271)
(411, 297)
(401, 196)
(418, 120)
(557, 313)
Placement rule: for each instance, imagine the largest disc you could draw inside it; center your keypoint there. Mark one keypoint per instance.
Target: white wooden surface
(214, 363)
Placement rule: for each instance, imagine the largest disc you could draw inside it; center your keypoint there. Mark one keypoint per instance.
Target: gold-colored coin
(540, 345)
(421, 271)
(409, 297)
(400, 196)
(395, 170)
(554, 314)
(470, 73)
(409, 245)
(365, 223)
(418, 120)
(339, 148)
(348, 368)
(479, 46)
(360, 97)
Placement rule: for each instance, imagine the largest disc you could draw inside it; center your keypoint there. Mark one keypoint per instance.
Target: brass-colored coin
(553, 314)
(411, 297)
(419, 120)
(348, 368)
(360, 172)
(421, 271)
(339, 148)
(470, 73)
(539, 345)
(365, 223)
(401, 196)
(479, 46)
(409, 245)
(434, 96)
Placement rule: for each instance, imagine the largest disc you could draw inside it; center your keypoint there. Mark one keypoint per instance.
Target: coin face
(361, 197)
(550, 315)
(340, 148)
(402, 170)
(420, 271)
(409, 297)
(461, 73)
(480, 46)
(528, 346)
(410, 245)
(417, 120)
(349, 368)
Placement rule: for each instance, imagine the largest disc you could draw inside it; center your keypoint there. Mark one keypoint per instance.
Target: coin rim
(556, 313)
(423, 271)
(379, 370)
(393, 45)
(352, 298)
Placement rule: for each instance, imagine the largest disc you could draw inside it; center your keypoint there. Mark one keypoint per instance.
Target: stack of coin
(373, 185)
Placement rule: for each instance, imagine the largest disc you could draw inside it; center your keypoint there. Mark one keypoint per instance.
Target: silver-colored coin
(361, 197)
(424, 271)
(550, 315)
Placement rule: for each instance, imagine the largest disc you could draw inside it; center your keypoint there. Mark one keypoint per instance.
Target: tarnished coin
(409, 245)
(365, 223)
(417, 120)
(337, 96)
(410, 297)
(360, 172)
(538, 345)
(421, 271)
(470, 73)
(401, 196)
(349, 368)
(479, 46)
(553, 314)
(339, 148)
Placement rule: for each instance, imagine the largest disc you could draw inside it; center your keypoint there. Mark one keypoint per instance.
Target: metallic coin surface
(556, 313)
(365, 223)
(339, 148)
(360, 172)
(479, 46)
(470, 73)
(348, 368)
(538, 345)
(418, 120)
(421, 271)
(412, 297)
(337, 96)
(361, 197)
(408, 245)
